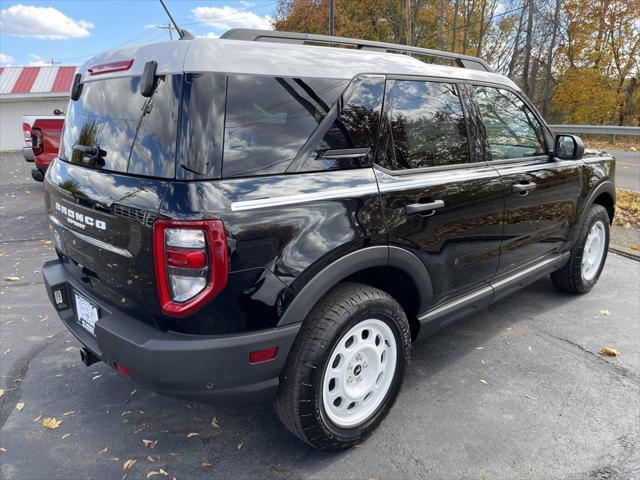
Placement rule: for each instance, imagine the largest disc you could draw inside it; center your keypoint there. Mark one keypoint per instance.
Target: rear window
(269, 119)
(135, 134)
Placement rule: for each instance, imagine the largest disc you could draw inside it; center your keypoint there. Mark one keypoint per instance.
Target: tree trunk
(527, 48)
(407, 19)
(628, 100)
(441, 14)
(468, 10)
(546, 92)
(516, 43)
(456, 6)
(482, 10)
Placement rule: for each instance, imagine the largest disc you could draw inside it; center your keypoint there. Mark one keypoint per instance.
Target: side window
(512, 129)
(268, 120)
(427, 125)
(355, 127)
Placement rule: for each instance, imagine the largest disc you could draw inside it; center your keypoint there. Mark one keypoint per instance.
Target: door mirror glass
(568, 147)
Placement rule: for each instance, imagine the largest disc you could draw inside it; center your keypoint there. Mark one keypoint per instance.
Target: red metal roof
(36, 80)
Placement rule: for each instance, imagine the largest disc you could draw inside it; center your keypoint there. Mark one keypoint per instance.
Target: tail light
(36, 141)
(191, 264)
(26, 131)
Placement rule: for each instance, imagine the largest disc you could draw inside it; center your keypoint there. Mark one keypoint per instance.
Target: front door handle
(423, 207)
(523, 188)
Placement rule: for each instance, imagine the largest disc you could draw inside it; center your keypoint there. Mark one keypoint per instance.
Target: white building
(30, 91)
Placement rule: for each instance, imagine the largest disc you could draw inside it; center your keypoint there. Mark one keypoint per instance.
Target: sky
(72, 31)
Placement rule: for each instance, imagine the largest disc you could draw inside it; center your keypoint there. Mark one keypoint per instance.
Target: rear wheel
(588, 255)
(346, 367)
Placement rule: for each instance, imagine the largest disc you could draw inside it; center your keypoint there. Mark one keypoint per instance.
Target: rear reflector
(186, 258)
(117, 66)
(123, 370)
(264, 355)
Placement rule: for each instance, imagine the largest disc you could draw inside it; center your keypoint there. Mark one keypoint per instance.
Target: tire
(576, 276)
(305, 401)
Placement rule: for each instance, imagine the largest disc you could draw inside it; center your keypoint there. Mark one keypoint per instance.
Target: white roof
(277, 59)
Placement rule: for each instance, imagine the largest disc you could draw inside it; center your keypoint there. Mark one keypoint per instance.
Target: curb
(624, 253)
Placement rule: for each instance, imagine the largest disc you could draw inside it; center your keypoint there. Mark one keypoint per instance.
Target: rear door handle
(523, 188)
(423, 207)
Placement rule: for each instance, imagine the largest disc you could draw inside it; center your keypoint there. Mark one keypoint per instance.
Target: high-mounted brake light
(117, 66)
(191, 264)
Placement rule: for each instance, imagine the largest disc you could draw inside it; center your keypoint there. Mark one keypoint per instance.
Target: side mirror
(568, 147)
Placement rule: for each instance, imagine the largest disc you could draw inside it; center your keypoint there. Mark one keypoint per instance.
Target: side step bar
(462, 306)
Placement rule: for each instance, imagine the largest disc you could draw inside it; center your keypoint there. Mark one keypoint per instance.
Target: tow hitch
(88, 357)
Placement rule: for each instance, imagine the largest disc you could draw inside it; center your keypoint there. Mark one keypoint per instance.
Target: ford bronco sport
(263, 217)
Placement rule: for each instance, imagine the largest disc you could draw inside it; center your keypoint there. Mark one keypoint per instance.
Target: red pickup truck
(45, 142)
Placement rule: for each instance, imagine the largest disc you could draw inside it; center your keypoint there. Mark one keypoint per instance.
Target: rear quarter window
(269, 119)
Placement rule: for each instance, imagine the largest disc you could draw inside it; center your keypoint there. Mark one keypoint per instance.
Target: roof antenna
(183, 34)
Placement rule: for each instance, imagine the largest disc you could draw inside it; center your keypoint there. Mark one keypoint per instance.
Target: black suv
(257, 218)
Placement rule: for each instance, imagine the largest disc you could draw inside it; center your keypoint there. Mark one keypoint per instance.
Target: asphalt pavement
(627, 170)
(518, 391)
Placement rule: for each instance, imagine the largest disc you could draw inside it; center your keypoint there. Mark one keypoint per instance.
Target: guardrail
(597, 129)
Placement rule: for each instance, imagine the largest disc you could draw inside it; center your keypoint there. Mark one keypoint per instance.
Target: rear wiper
(91, 155)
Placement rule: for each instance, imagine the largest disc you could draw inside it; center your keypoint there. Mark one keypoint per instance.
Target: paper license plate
(87, 313)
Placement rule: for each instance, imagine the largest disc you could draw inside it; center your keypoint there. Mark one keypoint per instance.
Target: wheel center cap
(357, 370)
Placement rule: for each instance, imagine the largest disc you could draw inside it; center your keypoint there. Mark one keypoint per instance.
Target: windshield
(113, 127)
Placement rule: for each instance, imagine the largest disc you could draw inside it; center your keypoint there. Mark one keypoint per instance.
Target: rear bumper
(27, 153)
(212, 369)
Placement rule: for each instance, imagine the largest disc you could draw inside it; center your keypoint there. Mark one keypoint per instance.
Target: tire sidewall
(380, 311)
(597, 213)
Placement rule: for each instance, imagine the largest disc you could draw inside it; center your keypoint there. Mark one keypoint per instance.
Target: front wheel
(588, 255)
(346, 367)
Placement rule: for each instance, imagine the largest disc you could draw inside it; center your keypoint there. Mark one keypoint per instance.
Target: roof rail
(462, 61)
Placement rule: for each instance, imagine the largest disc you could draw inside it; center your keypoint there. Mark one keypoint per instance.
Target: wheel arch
(354, 267)
(604, 194)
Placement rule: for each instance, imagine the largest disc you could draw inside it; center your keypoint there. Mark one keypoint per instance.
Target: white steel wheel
(593, 251)
(359, 373)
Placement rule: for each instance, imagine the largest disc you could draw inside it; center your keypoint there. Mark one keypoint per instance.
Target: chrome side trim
(93, 241)
(527, 271)
(492, 289)
(454, 305)
(342, 193)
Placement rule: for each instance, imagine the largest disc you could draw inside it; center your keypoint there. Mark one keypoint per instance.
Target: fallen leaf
(633, 246)
(483, 361)
(96, 377)
(128, 464)
(610, 352)
(604, 312)
(193, 434)
(19, 406)
(207, 465)
(70, 412)
(114, 459)
(153, 458)
(240, 445)
(12, 279)
(214, 422)
(2, 449)
(484, 381)
(1, 392)
(37, 419)
(133, 392)
(70, 349)
(150, 443)
(65, 435)
(532, 398)
(154, 473)
(51, 423)
(479, 348)
(529, 348)
(103, 451)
